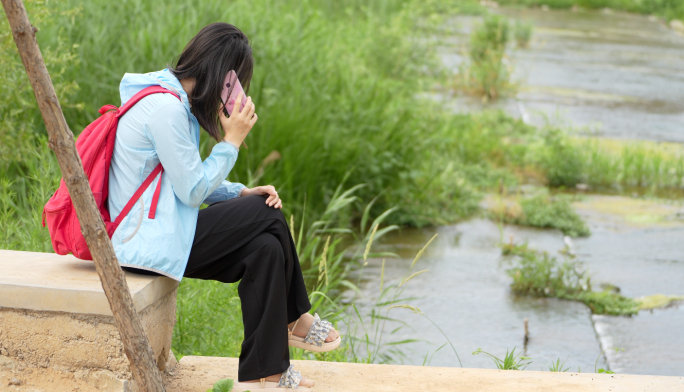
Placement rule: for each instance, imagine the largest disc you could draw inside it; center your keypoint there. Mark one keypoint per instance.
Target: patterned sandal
(315, 339)
(288, 380)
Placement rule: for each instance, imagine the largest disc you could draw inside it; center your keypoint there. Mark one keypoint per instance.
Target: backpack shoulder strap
(153, 209)
(157, 170)
(142, 94)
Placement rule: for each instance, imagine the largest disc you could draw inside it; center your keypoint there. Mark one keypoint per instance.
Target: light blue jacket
(162, 128)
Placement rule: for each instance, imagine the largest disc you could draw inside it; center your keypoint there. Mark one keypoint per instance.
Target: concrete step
(197, 374)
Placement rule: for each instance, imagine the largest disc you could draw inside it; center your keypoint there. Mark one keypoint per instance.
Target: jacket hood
(132, 83)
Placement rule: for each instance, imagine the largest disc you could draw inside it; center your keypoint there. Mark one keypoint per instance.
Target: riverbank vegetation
(487, 74)
(540, 274)
(487, 71)
(667, 9)
(539, 210)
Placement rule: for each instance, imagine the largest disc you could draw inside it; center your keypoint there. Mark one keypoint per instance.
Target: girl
(242, 235)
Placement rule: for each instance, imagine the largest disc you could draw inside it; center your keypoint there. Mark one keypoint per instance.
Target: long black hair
(208, 57)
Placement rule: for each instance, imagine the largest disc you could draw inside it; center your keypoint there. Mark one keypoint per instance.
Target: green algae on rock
(655, 301)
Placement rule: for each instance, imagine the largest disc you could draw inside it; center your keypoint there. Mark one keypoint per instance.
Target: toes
(305, 382)
(332, 335)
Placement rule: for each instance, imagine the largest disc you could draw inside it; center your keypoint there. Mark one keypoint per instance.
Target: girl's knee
(259, 202)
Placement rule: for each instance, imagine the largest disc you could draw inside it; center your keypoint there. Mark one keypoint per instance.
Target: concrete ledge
(50, 282)
(197, 374)
(55, 321)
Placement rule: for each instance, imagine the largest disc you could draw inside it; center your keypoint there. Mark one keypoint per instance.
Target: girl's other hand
(273, 200)
(237, 126)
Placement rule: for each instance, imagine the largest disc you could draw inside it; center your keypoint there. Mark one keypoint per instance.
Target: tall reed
(334, 83)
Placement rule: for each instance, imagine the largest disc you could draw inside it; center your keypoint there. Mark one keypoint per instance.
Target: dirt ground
(197, 374)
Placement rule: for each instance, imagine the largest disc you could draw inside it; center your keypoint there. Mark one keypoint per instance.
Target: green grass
(540, 274)
(509, 362)
(567, 161)
(668, 9)
(557, 367)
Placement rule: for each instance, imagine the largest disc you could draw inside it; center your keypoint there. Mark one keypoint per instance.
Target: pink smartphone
(232, 84)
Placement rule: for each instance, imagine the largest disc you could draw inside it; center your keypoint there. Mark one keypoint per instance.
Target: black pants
(244, 239)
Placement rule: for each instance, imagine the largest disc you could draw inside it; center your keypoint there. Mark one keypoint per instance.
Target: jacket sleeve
(227, 190)
(192, 180)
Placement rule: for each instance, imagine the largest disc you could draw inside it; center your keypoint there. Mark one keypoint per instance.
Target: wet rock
(489, 3)
(610, 287)
(677, 25)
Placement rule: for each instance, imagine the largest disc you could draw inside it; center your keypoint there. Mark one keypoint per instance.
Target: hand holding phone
(231, 89)
(231, 94)
(237, 126)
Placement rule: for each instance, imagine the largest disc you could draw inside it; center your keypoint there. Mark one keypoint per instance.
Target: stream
(619, 76)
(613, 75)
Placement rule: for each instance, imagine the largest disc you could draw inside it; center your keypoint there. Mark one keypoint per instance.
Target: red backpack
(95, 146)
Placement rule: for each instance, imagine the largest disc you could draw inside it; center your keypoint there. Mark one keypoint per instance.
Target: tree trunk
(137, 347)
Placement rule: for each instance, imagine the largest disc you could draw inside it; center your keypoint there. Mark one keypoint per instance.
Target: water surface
(616, 74)
(466, 291)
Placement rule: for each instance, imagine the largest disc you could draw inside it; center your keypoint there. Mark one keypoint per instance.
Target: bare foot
(302, 328)
(276, 378)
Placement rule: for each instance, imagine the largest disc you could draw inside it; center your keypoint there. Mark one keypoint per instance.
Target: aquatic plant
(487, 74)
(553, 212)
(541, 210)
(510, 361)
(539, 274)
(522, 32)
(655, 301)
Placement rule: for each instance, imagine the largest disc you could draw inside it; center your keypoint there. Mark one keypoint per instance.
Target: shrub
(539, 274)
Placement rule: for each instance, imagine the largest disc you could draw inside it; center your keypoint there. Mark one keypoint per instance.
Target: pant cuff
(263, 374)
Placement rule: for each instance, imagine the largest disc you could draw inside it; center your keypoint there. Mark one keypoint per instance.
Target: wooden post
(61, 140)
